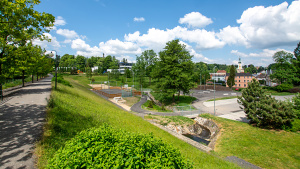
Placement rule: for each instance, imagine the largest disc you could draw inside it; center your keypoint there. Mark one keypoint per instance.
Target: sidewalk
(21, 121)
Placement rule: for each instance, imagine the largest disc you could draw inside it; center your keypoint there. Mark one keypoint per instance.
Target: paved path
(21, 120)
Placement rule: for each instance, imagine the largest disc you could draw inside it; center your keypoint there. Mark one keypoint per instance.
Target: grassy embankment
(73, 109)
(262, 147)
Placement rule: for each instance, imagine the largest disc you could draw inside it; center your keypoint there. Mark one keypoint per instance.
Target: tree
(231, 78)
(174, 69)
(18, 22)
(263, 110)
(88, 73)
(144, 65)
(284, 71)
(296, 62)
(251, 69)
(80, 62)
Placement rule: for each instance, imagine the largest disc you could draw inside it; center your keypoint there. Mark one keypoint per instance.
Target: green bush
(284, 87)
(264, 110)
(61, 80)
(106, 147)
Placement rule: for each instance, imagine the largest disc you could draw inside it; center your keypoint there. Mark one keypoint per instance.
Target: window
(244, 85)
(247, 80)
(239, 76)
(239, 84)
(235, 80)
(239, 80)
(244, 80)
(235, 84)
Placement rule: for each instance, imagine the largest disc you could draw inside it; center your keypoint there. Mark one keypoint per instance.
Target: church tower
(240, 68)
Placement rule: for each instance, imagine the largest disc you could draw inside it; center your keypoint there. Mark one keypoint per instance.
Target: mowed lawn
(73, 109)
(262, 147)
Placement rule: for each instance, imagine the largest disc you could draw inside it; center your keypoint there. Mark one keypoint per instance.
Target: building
(122, 67)
(240, 67)
(219, 76)
(241, 79)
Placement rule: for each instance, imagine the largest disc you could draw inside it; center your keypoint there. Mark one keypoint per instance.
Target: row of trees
(286, 69)
(20, 24)
(82, 63)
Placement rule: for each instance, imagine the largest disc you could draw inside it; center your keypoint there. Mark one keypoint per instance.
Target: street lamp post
(214, 92)
(56, 61)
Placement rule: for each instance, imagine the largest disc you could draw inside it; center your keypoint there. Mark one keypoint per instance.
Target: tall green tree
(231, 78)
(174, 69)
(19, 21)
(80, 62)
(284, 71)
(296, 63)
(144, 65)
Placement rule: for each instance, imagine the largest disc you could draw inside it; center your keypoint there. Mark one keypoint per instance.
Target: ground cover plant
(264, 148)
(106, 147)
(72, 110)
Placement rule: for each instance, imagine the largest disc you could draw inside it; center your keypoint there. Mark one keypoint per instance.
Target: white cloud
(195, 19)
(271, 26)
(156, 39)
(141, 19)
(232, 35)
(197, 56)
(69, 34)
(45, 44)
(117, 47)
(111, 47)
(263, 58)
(59, 21)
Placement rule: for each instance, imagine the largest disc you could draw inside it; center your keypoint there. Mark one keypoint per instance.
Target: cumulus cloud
(197, 56)
(59, 21)
(195, 19)
(262, 58)
(69, 34)
(232, 35)
(111, 47)
(141, 19)
(156, 39)
(45, 44)
(271, 26)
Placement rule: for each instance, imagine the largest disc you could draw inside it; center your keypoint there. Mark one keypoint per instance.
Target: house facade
(241, 79)
(219, 76)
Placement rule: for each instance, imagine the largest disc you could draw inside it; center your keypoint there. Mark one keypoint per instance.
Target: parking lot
(229, 108)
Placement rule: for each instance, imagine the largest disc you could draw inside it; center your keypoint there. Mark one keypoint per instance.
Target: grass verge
(265, 148)
(72, 110)
(223, 98)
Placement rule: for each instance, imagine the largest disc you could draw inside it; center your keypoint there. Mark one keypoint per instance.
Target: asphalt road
(22, 116)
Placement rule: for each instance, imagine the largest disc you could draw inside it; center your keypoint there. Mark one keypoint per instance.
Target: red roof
(221, 71)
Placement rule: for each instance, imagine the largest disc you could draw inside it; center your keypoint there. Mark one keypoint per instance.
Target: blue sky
(215, 31)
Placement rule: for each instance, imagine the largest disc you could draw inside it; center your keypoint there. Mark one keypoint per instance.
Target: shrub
(263, 110)
(296, 103)
(284, 87)
(61, 80)
(294, 90)
(106, 147)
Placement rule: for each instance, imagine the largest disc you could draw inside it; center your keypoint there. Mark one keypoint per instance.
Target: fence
(183, 108)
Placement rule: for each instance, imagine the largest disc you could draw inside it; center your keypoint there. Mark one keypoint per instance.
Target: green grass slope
(262, 147)
(75, 109)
